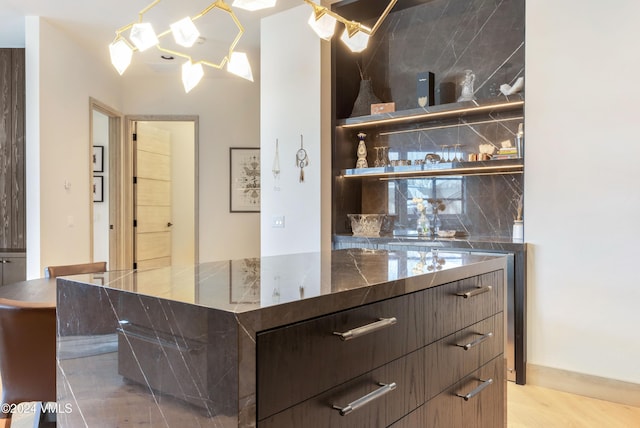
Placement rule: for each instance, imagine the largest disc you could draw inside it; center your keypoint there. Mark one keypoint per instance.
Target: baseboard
(586, 385)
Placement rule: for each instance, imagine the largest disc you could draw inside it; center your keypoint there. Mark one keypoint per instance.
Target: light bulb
(239, 65)
(143, 36)
(191, 75)
(121, 55)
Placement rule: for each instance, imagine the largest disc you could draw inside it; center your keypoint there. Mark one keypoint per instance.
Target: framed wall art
(244, 180)
(98, 188)
(98, 158)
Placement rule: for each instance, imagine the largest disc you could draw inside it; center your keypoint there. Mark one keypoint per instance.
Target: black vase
(366, 97)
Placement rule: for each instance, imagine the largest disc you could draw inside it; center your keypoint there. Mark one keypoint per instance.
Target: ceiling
(92, 24)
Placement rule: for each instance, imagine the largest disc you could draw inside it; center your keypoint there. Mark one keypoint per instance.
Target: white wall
(228, 110)
(582, 201)
(61, 77)
(290, 106)
(101, 209)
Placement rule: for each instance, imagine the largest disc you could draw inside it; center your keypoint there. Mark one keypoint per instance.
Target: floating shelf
(439, 112)
(502, 166)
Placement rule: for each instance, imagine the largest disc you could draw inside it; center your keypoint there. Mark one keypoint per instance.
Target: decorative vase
(362, 152)
(423, 225)
(518, 231)
(366, 97)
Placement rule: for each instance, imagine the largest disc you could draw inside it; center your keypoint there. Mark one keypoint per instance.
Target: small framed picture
(98, 188)
(244, 180)
(98, 158)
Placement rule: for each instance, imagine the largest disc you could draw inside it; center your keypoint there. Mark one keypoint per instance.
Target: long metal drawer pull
(366, 329)
(476, 391)
(478, 341)
(475, 292)
(362, 401)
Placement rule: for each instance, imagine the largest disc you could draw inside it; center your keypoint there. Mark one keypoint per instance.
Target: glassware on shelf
(378, 161)
(457, 157)
(385, 156)
(444, 158)
(436, 205)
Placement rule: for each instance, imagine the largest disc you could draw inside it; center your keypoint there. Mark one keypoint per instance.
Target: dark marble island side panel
(144, 361)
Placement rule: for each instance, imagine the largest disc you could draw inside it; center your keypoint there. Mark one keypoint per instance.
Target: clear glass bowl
(367, 225)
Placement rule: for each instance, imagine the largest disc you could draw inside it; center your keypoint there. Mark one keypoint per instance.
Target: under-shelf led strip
(429, 128)
(430, 115)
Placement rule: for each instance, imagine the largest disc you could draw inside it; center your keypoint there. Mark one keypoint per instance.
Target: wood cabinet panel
(299, 361)
(12, 132)
(484, 410)
(14, 269)
(412, 420)
(447, 309)
(447, 362)
(318, 412)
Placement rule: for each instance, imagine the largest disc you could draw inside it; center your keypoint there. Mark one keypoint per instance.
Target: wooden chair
(27, 355)
(56, 271)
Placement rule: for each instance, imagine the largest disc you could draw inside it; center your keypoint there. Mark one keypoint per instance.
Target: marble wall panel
(445, 37)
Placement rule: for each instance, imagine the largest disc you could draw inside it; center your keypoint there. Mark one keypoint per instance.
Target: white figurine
(507, 89)
(467, 87)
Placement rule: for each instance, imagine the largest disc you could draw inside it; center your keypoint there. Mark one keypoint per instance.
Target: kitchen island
(344, 338)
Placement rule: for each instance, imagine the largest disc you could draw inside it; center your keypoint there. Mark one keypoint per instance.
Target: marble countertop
(307, 283)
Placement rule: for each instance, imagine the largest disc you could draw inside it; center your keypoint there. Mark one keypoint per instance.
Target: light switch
(277, 221)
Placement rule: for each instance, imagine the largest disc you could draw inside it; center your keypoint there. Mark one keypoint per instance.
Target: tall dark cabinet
(12, 173)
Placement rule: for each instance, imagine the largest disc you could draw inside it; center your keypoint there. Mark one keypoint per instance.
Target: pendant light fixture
(356, 36)
(142, 36)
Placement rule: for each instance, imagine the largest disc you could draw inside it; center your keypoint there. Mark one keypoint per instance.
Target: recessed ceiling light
(167, 57)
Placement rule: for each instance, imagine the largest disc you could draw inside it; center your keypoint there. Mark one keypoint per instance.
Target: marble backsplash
(446, 38)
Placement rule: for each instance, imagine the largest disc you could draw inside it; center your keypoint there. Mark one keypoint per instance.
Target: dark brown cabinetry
(407, 359)
(12, 268)
(12, 143)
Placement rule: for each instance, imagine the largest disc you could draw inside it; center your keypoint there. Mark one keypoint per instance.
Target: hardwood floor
(532, 406)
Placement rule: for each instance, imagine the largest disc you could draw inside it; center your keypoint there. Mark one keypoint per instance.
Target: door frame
(127, 192)
(116, 260)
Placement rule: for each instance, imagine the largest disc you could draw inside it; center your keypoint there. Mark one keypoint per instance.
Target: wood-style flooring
(532, 406)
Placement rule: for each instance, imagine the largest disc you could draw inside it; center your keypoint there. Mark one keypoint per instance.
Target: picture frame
(98, 188)
(244, 179)
(98, 158)
(244, 281)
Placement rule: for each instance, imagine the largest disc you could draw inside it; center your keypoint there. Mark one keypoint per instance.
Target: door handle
(169, 224)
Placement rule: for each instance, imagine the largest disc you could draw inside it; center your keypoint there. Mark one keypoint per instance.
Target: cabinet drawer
(299, 361)
(452, 358)
(454, 306)
(484, 409)
(388, 406)
(412, 420)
